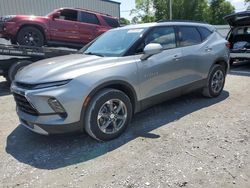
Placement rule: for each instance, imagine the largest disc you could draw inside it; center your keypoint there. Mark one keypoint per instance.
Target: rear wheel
(216, 81)
(108, 114)
(30, 36)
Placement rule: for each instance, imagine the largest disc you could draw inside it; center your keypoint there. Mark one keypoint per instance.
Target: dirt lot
(187, 142)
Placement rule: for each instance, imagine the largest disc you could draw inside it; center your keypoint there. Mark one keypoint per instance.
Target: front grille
(24, 105)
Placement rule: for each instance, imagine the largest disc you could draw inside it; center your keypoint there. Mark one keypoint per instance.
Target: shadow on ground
(63, 150)
(240, 69)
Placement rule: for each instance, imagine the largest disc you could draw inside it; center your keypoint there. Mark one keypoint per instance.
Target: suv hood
(238, 19)
(63, 68)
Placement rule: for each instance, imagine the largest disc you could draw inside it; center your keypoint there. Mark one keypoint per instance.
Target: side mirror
(151, 49)
(56, 15)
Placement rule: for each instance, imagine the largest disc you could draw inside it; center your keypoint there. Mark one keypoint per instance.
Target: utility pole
(170, 10)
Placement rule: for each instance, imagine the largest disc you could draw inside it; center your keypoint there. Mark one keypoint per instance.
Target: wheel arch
(37, 26)
(223, 63)
(115, 84)
(119, 85)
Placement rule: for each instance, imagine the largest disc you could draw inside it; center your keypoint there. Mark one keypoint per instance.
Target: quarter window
(111, 21)
(89, 18)
(189, 36)
(205, 33)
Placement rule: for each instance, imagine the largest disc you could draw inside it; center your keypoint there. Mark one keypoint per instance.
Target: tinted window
(111, 21)
(205, 33)
(70, 15)
(161, 35)
(189, 36)
(88, 18)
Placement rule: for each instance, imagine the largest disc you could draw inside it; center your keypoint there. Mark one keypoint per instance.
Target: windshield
(114, 43)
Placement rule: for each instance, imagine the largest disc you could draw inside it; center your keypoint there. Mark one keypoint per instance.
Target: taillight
(228, 45)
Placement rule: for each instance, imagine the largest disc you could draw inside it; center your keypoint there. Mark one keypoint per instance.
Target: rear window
(205, 33)
(111, 21)
(189, 36)
(89, 18)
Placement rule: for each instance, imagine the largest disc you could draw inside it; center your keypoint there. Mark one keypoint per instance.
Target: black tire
(30, 36)
(231, 62)
(15, 68)
(92, 122)
(210, 90)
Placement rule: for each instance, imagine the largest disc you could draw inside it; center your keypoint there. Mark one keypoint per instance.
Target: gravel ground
(187, 142)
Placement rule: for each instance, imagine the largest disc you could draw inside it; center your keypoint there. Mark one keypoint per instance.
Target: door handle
(208, 49)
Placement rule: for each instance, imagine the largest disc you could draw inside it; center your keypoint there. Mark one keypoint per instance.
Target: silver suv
(119, 74)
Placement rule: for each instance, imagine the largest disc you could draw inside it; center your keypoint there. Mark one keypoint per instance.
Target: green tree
(218, 9)
(182, 9)
(124, 21)
(143, 12)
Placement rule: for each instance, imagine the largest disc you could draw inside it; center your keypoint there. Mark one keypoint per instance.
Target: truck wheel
(30, 36)
(108, 114)
(15, 68)
(215, 82)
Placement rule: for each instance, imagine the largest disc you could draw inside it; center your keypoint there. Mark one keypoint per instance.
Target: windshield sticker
(135, 30)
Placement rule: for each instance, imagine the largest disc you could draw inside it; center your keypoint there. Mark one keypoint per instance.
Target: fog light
(57, 107)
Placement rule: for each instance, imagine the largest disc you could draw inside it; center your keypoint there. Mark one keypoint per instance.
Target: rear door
(238, 19)
(65, 27)
(197, 53)
(89, 26)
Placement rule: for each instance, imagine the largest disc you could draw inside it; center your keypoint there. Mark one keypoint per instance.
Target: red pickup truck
(63, 27)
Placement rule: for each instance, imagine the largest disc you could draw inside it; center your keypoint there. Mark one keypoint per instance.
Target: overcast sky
(127, 5)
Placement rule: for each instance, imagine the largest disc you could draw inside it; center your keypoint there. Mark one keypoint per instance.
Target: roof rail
(193, 21)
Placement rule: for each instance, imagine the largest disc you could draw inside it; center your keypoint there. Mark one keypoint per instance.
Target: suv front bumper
(46, 121)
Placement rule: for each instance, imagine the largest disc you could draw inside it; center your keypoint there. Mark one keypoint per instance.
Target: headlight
(7, 18)
(50, 84)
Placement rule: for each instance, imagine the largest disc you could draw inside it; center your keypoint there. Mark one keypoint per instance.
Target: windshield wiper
(93, 53)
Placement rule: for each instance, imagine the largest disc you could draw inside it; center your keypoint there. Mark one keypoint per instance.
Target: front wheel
(108, 114)
(30, 36)
(216, 81)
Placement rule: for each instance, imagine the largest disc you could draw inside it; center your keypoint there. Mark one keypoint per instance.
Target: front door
(65, 27)
(164, 71)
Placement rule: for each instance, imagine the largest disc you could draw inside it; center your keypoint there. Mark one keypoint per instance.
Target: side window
(70, 15)
(205, 33)
(111, 21)
(89, 18)
(161, 35)
(189, 36)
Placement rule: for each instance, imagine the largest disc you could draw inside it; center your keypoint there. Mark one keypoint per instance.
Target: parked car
(239, 35)
(106, 83)
(63, 27)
